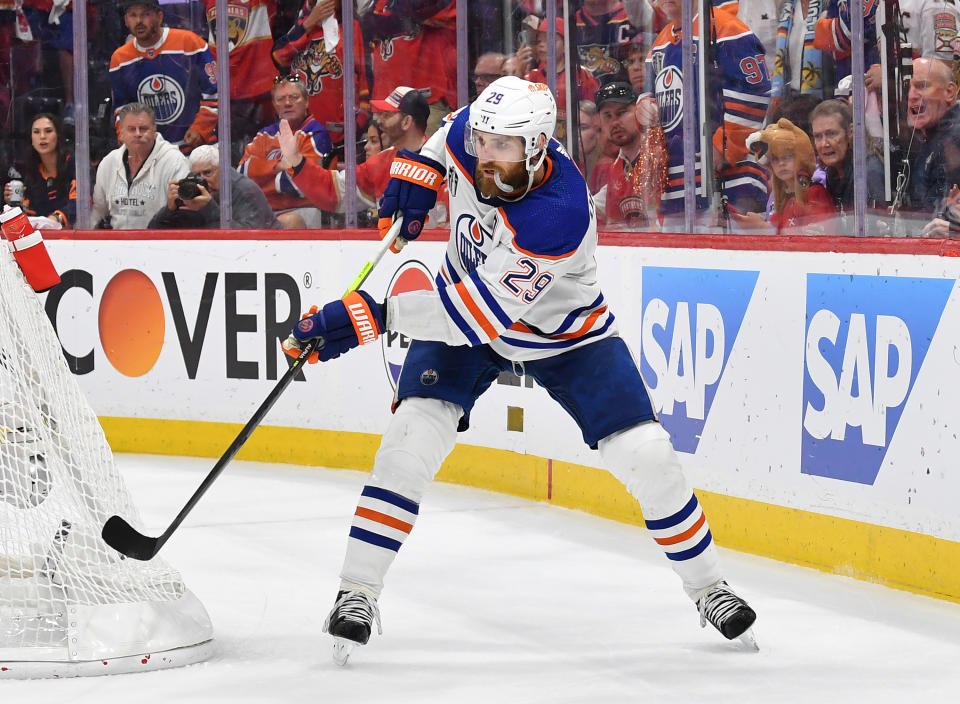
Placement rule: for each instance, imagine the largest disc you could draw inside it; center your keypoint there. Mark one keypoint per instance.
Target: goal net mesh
(58, 485)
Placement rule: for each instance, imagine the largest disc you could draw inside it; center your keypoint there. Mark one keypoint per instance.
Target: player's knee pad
(643, 459)
(422, 433)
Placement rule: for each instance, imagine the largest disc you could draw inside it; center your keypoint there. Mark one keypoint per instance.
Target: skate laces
(718, 604)
(355, 606)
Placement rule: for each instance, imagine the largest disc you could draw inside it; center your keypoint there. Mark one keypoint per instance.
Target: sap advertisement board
(824, 382)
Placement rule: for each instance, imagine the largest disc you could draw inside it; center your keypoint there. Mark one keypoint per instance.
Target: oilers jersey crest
(519, 276)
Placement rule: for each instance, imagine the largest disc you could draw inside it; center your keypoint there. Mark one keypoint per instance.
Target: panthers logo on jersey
(315, 63)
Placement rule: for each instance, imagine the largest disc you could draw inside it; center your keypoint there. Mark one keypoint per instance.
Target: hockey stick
(125, 539)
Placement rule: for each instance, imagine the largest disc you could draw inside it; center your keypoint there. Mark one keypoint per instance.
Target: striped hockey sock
(381, 523)
(685, 538)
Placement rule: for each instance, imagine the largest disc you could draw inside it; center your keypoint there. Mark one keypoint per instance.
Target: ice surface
(498, 599)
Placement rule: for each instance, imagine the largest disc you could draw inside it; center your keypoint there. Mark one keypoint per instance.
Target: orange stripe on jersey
(520, 327)
(685, 535)
(587, 324)
(476, 312)
(383, 518)
(740, 107)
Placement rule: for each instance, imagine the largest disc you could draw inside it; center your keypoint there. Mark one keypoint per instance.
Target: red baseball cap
(543, 26)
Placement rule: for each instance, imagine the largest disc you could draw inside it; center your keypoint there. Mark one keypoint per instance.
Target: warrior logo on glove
(362, 325)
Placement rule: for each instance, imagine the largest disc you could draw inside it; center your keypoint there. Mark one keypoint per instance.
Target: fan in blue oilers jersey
(517, 290)
(738, 101)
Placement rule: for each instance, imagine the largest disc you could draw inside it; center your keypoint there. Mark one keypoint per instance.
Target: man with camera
(193, 202)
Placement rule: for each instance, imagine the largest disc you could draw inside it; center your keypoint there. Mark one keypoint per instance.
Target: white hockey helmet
(518, 108)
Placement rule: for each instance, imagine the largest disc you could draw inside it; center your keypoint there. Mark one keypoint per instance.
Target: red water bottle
(28, 249)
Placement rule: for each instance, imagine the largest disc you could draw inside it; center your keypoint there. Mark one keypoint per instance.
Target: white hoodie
(130, 206)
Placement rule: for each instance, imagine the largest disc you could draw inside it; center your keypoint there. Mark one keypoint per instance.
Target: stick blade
(125, 539)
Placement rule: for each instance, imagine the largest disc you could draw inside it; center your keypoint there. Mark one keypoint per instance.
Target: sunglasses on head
(292, 78)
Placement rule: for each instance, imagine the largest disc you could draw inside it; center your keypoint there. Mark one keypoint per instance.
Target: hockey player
(517, 290)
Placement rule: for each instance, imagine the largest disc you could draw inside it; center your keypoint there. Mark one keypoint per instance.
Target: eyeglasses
(487, 77)
(291, 78)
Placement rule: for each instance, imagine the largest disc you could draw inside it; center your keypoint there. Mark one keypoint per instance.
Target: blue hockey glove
(412, 190)
(354, 320)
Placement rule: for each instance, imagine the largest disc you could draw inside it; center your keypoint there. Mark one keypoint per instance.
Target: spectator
(489, 67)
(403, 118)
(930, 27)
(374, 144)
(18, 59)
(249, 204)
(832, 125)
(635, 62)
(587, 84)
(591, 141)
(632, 191)
(946, 222)
(933, 113)
(603, 35)
(52, 25)
(798, 201)
(251, 68)
(50, 184)
(798, 66)
(742, 96)
(833, 32)
(414, 43)
(170, 70)
(303, 52)
(132, 180)
(264, 165)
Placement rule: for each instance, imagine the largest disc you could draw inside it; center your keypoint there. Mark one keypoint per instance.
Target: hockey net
(69, 604)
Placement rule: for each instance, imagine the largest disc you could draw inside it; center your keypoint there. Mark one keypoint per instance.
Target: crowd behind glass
(772, 96)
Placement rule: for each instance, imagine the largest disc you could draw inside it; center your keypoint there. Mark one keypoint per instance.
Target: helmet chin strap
(531, 172)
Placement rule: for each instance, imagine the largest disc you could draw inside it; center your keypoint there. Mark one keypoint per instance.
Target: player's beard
(511, 173)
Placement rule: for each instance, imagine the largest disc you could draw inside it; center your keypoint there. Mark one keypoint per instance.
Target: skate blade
(749, 640)
(342, 649)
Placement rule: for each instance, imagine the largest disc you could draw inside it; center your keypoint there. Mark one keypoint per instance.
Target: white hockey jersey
(520, 275)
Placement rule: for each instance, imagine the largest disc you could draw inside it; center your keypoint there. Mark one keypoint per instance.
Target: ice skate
(350, 622)
(728, 613)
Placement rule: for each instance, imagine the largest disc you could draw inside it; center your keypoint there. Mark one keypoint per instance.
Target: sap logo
(866, 339)
(410, 276)
(691, 319)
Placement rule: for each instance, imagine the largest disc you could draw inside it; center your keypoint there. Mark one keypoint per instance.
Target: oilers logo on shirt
(470, 238)
(164, 95)
(669, 90)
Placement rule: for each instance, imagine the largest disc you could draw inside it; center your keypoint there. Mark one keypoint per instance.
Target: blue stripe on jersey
(692, 552)
(677, 518)
(490, 300)
(574, 314)
(557, 344)
(457, 318)
(375, 492)
(451, 269)
(380, 541)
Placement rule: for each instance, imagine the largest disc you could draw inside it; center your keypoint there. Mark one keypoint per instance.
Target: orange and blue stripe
(383, 518)
(683, 535)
